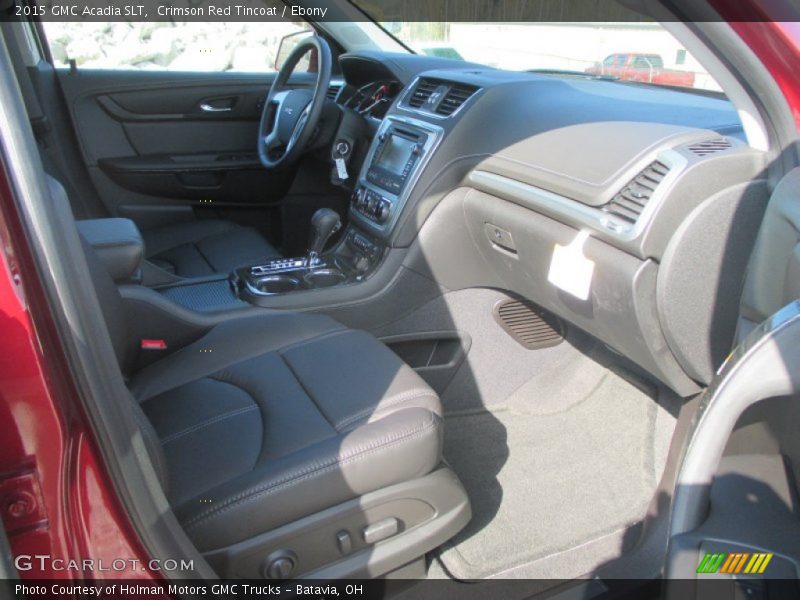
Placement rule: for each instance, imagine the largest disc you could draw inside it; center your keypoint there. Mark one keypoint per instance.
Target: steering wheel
(296, 112)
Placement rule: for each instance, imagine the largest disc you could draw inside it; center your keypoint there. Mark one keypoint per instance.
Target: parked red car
(647, 68)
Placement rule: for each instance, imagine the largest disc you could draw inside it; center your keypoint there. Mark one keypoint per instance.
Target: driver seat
(192, 248)
(205, 247)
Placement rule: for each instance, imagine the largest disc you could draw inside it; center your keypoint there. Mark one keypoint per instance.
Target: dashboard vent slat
(450, 95)
(624, 202)
(422, 91)
(629, 202)
(333, 90)
(529, 325)
(707, 147)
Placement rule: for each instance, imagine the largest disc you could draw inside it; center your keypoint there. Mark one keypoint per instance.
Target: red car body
(645, 68)
(56, 497)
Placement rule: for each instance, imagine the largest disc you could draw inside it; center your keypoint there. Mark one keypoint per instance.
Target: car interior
(397, 315)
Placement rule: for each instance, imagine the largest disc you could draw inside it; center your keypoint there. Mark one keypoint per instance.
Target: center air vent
(439, 96)
(629, 203)
(710, 146)
(458, 94)
(422, 92)
(531, 326)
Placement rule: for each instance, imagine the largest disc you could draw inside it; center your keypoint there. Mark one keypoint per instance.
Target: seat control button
(279, 565)
(344, 541)
(381, 530)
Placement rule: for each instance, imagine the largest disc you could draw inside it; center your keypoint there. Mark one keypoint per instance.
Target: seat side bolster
(423, 397)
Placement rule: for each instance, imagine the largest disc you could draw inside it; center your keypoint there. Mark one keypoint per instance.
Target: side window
(610, 60)
(170, 46)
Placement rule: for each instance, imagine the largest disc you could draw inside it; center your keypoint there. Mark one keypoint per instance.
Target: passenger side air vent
(458, 94)
(629, 203)
(333, 90)
(422, 92)
(529, 325)
(710, 146)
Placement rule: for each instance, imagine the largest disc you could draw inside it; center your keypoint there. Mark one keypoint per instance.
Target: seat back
(113, 314)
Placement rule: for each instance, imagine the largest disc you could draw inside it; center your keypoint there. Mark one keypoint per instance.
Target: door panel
(191, 136)
(159, 144)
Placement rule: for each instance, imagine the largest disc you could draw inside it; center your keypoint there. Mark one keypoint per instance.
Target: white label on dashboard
(341, 169)
(570, 270)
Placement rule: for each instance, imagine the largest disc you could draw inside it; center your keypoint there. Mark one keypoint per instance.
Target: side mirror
(288, 44)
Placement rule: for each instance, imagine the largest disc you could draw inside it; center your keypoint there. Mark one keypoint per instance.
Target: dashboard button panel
(401, 148)
(372, 205)
(364, 244)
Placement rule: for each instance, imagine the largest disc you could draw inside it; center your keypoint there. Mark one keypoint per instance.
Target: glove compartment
(518, 245)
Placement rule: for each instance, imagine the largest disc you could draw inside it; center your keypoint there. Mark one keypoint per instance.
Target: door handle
(206, 107)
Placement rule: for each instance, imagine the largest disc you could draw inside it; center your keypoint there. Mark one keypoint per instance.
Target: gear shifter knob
(324, 224)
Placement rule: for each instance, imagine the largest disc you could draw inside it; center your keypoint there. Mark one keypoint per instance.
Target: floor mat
(543, 480)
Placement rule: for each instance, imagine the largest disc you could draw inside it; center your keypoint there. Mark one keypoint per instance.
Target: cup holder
(277, 284)
(324, 278)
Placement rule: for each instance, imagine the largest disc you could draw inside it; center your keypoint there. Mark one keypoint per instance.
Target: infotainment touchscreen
(395, 154)
(395, 157)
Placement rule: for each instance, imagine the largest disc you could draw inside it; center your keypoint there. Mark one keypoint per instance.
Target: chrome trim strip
(576, 212)
(206, 107)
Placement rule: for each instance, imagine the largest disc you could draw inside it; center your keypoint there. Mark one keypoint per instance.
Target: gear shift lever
(324, 224)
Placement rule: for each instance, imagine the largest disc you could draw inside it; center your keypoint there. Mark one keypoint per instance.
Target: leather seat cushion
(205, 247)
(268, 419)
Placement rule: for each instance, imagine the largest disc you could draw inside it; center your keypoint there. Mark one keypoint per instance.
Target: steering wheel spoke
(299, 127)
(271, 141)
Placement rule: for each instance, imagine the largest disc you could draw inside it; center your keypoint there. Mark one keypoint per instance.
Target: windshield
(642, 52)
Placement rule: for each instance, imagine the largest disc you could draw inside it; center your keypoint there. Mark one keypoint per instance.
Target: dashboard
(582, 151)
(480, 173)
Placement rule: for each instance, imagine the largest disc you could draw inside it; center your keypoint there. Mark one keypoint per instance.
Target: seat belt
(40, 123)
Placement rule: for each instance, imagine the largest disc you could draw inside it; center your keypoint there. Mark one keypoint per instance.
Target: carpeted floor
(559, 453)
(568, 460)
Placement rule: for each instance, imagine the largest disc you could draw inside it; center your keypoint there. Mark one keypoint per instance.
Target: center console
(398, 153)
(353, 259)
(393, 163)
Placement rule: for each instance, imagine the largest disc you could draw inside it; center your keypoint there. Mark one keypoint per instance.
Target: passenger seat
(288, 444)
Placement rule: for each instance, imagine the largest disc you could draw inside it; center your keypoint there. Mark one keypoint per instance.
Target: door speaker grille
(529, 325)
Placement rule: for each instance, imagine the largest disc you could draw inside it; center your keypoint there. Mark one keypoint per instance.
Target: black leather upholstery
(205, 247)
(118, 244)
(267, 419)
